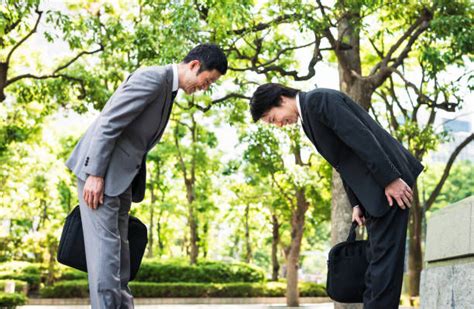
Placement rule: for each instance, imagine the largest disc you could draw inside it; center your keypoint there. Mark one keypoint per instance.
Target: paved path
(246, 306)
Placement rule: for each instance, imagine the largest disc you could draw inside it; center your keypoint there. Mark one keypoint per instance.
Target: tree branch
(54, 74)
(214, 102)
(434, 194)
(262, 26)
(84, 52)
(412, 34)
(35, 27)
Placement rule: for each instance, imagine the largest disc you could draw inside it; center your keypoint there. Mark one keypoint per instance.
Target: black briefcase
(71, 251)
(347, 264)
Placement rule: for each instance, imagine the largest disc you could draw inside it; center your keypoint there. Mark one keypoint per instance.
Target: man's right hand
(93, 193)
(358, 215)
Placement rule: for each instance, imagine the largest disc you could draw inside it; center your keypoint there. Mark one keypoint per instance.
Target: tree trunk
(361, 92)
(150, 233)
(3, 79)
(297, 228)
(248, 252)
(415, 257)
(52, 250)
(203, 244)
(275, 241)
(193, 234)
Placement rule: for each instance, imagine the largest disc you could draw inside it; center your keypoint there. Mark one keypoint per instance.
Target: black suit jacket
(366, 156)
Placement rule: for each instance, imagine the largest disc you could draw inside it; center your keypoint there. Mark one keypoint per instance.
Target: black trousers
(386, 254)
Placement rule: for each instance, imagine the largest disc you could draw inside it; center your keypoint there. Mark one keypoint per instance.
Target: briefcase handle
(352, 232)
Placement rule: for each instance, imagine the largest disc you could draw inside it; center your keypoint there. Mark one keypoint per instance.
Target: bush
(66, 289)
(311, 289)
(20, 286)
(203, 272)
(11, 300)
(72, 274)
(22, 271)
(79, 288)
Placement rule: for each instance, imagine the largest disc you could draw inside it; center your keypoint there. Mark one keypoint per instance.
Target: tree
(296, 190)
(196, 164)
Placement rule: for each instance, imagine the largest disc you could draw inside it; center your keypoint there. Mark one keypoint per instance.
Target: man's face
(195, 81)
(281, 115)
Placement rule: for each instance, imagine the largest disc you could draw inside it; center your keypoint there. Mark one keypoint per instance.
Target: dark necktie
(173, 95)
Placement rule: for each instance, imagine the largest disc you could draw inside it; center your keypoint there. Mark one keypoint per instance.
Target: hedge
(203, 272)
(20, 286)
(79, 288)
(72, 274)
(66, 289)
(33, 280)
(22, 271)
(11, 300)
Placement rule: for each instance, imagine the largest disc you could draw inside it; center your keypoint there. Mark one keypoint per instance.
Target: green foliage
(458, 186)
(263, 150)
(22, 272)
(11, 300)
(66, 289)
(72, 274)
(20, 286)
(179, 289)
(204, 271)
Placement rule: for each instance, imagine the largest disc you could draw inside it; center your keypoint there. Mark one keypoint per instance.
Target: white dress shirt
(299, 106)
(175, 77)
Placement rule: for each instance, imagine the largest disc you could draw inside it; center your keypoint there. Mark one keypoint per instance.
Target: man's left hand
(399, 191)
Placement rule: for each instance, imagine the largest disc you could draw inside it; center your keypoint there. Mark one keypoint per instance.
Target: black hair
(268, 96)
(210, 56)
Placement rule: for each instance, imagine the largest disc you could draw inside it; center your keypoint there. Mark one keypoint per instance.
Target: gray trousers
(107, 252)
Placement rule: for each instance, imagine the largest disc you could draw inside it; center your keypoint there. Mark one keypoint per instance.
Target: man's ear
(283, 100)
(194, 65)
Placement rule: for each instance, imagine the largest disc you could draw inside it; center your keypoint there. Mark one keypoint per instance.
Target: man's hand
(93, 193)
(358, 215)
(401, 192)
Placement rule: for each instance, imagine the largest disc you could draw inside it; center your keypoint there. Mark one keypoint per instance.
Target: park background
(222, 192)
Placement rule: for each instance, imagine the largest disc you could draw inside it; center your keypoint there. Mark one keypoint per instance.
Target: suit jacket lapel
(305, 117)
(166, 110)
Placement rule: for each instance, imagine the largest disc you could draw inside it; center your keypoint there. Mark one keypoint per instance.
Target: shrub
(11, 300)
(79, 288)
(311, 289)
(23, 271)
(72, 274)
(66, 289)
(33, 280)
(20, 286)
(203, 272)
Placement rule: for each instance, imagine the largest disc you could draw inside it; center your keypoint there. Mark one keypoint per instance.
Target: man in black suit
(377, 172)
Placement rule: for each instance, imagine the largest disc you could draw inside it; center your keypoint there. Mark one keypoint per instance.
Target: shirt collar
(175, 77)
(299, 107)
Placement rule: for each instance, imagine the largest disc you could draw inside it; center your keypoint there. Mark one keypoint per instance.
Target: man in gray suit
(109, 162)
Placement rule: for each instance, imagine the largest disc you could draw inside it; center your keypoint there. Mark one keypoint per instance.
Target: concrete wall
(447, 281)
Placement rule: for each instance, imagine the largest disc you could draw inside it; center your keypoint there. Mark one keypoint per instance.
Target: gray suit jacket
(131, 123)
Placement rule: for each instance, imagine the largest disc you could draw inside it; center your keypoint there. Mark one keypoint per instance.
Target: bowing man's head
(201, 67)
(274, 104)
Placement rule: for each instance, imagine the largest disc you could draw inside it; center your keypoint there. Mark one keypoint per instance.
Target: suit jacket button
(138, 166)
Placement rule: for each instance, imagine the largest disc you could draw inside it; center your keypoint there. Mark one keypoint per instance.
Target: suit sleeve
(127, 103)
(350, 194)
(334, 112)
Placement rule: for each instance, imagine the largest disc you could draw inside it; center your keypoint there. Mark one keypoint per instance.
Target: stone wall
(447, 281)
